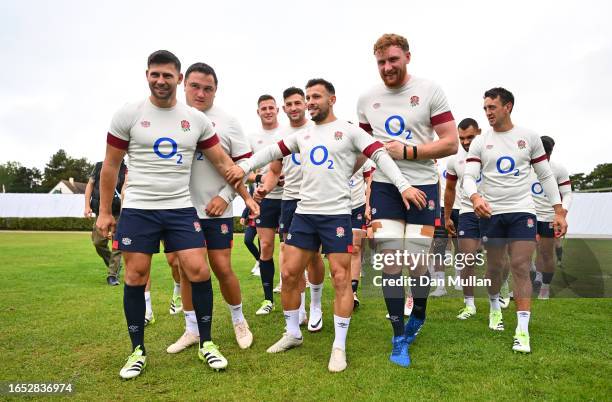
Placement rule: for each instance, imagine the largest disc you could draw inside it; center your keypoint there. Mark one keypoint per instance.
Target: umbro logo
(289, 236)
(126, 241)
(133, 328)
(342, 325)
(205, 319)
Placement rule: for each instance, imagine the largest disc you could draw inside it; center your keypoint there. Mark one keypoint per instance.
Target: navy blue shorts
(469, 226)
(546, 229)
(310, 232)
(269, 214)
(218, 233)
(287, 210)
(358, 218)
(507, 227)
(386, 203)
(141, 230)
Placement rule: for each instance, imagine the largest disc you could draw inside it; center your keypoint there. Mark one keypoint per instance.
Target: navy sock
(420, 292)
(547, 277)
(202, 298)
(249, 241)
(134, 308)
(266, 268)
(394, 299)
(355, 285)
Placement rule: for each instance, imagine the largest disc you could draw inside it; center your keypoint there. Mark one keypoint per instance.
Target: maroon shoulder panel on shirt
(451, 177)
(368, 173)
(283, 148)
(565, 183)
(441, 118)
(209, 142)
(370, 149)
(117, 142)
(366, 127)
(539, 159)
(237, 158)
(473, 160)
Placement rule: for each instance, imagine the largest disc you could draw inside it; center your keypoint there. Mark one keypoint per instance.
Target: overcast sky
(67, 66)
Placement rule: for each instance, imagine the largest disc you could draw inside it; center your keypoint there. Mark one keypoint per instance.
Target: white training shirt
(260, 140)
(455, 169)
(292, 169)
(408, 115)
(544, 209)
(329, 152)
(206, 183)
(357, 183)
(160, 144)
(506, 159)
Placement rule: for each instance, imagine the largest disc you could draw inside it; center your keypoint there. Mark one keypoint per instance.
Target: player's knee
(289, 278)
(388, 234)
(340, 277)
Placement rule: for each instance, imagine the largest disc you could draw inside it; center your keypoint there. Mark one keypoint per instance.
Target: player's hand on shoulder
(216, 207)
(395, 149)
(414, 196)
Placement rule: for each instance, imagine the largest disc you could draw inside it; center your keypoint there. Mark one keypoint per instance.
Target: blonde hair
(391, 40)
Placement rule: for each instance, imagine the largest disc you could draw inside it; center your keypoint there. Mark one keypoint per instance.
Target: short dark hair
(164, 57)
(320, 81)
(265, 97)
(467, 123)
(504, 95)
(202, 68)
(548, 143)
(292, 91)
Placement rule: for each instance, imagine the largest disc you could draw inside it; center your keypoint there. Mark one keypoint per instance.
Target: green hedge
(65, 224)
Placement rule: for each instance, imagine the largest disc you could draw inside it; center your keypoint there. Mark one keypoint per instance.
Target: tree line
(16, 178)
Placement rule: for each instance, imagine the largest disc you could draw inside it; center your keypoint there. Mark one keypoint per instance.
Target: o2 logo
(391, 126)
(174, 152)
(479, 179)
(320, 155)
(444, 174)
(295, 160)
(506, 165)
(537, 189)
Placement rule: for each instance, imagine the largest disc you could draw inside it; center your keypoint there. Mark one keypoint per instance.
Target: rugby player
(360, 214)
(465, 224)
(506, 154)
(294, 106)
(545, 260)
(212, 196)
(161, 137)
(270, 211)
(322, 218)
(405, 113)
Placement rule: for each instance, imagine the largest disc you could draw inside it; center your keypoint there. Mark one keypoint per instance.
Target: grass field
(60, 322)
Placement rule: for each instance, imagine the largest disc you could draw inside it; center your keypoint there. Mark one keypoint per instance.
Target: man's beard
(322, 115)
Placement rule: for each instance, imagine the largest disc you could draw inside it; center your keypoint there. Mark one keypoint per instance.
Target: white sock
(191, 323)
(538, 277)
(315, 295)
(469, 301)
(177, 289)
(494, 300)
(303, 303)
(292, 320)
(341, 326)
(236, 311)
(149, 309)
(523, 321)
